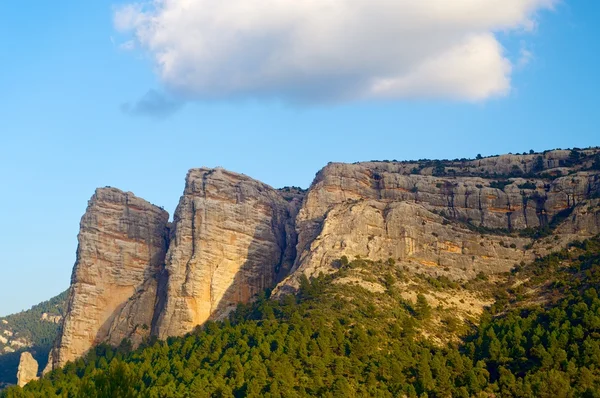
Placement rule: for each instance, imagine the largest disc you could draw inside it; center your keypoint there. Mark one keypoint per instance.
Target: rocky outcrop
(552, 162)
(449, 223)
(51, 318)
(122, 244)
(28, 369)
(518, 203)
(412, 236)
(232, 238)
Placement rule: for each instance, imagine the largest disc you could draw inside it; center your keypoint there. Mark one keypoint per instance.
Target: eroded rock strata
(232, 237)
(451, 223)
(122, 245)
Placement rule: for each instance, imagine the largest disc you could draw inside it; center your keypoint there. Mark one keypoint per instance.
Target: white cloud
(329, 50)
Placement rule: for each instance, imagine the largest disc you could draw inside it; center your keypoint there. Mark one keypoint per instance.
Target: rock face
(522, 203)
(28, 369)
(51, 318)
(409, 234)
(441, 224)
(122, 244)
(232, 238)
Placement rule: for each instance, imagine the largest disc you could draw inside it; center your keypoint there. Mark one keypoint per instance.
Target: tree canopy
(340, 340)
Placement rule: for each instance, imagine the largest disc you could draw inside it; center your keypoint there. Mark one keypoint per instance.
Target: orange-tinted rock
(28, 369)
(122, 244)
(232, 238)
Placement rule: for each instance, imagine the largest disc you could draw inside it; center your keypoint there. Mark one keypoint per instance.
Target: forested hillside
(354, 333)
(33, 330)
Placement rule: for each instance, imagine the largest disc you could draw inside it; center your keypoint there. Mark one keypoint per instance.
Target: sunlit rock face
(28, 369)
(122, 245)
(232, 238)
(382, 210)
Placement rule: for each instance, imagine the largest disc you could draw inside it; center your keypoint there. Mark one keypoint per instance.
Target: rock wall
(520, 204)
(412, 236)
(232, 238)
(136, 275)
(442, 224)
(122, 244)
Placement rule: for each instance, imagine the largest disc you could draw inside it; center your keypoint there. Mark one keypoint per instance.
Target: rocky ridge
(410, 213)
(232, 237)
(33, 330)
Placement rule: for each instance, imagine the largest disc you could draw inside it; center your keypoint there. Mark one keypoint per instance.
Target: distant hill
(33, 330)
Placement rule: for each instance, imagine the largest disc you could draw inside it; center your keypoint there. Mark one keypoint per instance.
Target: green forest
(29, 326)
(541, 338)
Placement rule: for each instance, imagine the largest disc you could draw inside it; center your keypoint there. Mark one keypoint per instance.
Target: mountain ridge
(232, 236)
(34, 330)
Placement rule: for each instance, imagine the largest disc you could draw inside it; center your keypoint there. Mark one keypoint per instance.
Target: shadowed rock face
(232, 238)
(122, 244)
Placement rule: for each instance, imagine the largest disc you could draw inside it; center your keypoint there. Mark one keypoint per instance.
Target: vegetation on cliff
(32, 331)
(541, 338)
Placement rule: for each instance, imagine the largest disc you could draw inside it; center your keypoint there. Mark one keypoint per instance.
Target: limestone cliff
(430, 215)
(28, 369)
(232, 238)
(122, 244)
(136, 275)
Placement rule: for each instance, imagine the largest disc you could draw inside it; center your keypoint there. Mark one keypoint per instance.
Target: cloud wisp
(330, 50)
(153, 104)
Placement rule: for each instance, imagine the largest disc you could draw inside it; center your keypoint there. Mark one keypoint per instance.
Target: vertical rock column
(28, 369)
(232, 237)
(122, 245)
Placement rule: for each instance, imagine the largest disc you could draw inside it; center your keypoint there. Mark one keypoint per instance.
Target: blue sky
(69, 123)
